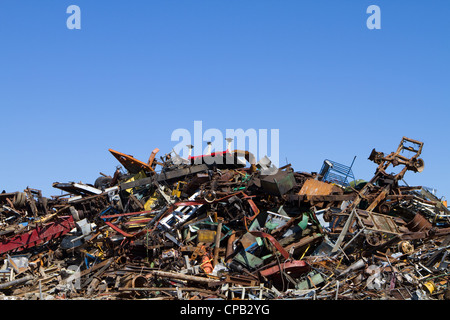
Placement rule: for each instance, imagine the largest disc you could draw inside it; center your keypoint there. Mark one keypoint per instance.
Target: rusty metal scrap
(215, 226)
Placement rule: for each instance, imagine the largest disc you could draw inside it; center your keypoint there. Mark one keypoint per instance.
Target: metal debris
(223, 226)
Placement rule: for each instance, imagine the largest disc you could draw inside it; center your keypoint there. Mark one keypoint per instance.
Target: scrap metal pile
(223, 226)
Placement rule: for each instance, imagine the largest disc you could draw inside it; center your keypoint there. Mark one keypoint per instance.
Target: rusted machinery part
(419, 224)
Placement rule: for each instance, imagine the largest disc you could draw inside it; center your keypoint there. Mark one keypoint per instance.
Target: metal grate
(338, 173)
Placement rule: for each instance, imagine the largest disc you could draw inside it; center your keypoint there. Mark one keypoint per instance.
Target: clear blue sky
(138, 70)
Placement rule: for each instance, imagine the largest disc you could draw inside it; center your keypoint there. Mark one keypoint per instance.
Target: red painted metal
(38, 235)
(294, 268)
(283, 252)
(128, 235)
(143, 220)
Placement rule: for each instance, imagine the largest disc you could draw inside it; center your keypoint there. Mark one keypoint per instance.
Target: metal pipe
(217, 243)
(183, 277)
(15, 282)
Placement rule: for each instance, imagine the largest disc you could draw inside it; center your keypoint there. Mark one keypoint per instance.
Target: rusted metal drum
(419, 224)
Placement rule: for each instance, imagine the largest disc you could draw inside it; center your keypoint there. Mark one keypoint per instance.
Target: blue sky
(138, 70)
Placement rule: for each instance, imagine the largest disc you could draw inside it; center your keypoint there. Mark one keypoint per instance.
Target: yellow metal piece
(305, 252)
(136, 222)
(339, 262)
(101, 253)
(149, 203)
(406, 247)
(177, 192)
(207, 236)
(430, 286)
(137, 176)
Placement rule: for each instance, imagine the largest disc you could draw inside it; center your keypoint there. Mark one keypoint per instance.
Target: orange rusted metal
(130, 163)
